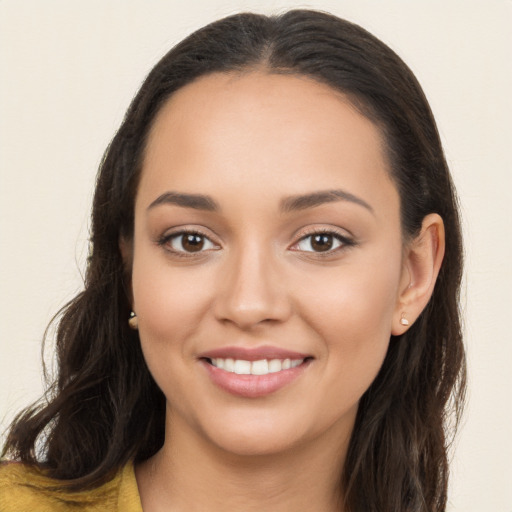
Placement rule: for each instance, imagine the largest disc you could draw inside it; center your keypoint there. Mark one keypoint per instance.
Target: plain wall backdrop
(67, 73)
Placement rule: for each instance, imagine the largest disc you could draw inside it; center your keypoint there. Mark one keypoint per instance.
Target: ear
(126, 250)
(422, 260)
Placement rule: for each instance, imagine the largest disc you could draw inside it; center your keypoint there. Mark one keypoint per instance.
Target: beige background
(68, 70)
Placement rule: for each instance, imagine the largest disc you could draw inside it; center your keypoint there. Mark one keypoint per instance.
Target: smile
(260, 367)
(253, 372)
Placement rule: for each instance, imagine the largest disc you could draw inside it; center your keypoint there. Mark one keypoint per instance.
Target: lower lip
(253, 386)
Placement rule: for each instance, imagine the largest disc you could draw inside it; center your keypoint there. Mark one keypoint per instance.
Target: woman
(270, 315)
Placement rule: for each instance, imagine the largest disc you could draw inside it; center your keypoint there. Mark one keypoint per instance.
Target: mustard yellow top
(26, 489)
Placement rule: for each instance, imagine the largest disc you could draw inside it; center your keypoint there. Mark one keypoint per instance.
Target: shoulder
(24, 487)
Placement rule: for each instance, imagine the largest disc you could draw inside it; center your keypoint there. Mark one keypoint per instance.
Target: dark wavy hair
(104, 408)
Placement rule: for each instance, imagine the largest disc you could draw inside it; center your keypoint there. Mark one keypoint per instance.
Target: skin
(249, 141)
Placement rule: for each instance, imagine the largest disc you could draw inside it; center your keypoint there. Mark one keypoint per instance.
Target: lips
(253, 354)
(254, 372)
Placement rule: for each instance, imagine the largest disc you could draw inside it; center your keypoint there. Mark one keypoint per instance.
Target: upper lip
(253, 353)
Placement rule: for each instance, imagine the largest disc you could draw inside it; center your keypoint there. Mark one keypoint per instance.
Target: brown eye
(192, 242)
(189, 242)
(321, 242)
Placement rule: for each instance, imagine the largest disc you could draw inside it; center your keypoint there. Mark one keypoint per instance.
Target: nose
(252, 291)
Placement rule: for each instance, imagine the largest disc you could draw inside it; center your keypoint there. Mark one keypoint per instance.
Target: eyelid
(346, 240)
(184, 230)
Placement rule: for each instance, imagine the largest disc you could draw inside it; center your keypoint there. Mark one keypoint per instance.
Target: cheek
(357, 297)
(353, 316)
(169, 302)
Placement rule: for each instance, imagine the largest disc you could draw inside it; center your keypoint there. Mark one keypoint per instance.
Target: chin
(262, 445)
(246, 438)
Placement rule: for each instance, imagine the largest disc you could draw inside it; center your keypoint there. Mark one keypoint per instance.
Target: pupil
(321, 242)
(193, 243)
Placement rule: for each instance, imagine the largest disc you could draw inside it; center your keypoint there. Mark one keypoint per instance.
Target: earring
(133, 322)
(404, 320)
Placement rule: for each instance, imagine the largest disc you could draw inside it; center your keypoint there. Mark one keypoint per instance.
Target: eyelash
(345, 242)
(165, 239)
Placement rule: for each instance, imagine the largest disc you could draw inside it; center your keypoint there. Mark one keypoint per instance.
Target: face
(267, 260)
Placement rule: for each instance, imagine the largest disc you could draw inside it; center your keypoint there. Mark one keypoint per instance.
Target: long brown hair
(104, 407)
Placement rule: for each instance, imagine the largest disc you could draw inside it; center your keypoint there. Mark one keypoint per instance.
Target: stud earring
(133, 322)
(404, 320)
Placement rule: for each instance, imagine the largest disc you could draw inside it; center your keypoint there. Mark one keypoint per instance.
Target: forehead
(262, 132)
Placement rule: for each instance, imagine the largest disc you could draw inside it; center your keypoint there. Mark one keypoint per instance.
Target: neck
(189, 473)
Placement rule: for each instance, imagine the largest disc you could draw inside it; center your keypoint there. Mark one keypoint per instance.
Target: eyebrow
(287, 205)
(303, 202)
(195, 201)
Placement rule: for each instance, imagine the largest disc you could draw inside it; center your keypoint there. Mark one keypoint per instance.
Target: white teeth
(274, 365)
(242, 367)
(260, 367)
